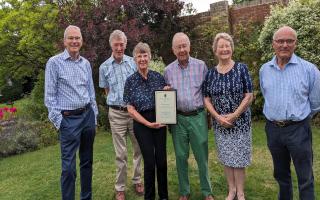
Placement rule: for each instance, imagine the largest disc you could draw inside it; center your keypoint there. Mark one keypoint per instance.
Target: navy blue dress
(227, 92)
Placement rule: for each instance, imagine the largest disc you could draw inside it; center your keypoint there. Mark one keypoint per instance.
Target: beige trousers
(122, 126)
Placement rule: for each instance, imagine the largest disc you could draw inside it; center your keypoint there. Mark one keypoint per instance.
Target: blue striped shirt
(68, 86)
(113, 77)
(292, 93)
(187, 81)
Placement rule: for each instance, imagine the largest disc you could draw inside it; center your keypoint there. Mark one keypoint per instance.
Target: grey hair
(117, 34)
(141, 48)
(224, 36)
(283, 27)
(69, 28)
(180, 34)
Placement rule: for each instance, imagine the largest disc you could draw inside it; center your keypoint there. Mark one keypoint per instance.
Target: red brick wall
(243, 15)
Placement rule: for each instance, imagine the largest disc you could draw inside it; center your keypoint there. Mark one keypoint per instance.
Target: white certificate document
(166, 106)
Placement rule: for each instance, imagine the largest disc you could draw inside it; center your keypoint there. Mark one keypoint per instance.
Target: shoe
(139, 189)
(210, 197)
(186, 197)
(120, 195)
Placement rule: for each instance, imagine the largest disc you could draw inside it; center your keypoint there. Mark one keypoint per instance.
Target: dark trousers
(152, 144)
(292, 142)
(77, 132)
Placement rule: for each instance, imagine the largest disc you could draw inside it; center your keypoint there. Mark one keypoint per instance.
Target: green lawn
(36, 175)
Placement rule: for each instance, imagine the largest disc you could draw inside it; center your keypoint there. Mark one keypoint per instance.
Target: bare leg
(239, 174)
(229, 172)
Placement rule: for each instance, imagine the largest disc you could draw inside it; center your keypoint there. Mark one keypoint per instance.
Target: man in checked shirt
(70, 99)
(186, 75)
(113, 74)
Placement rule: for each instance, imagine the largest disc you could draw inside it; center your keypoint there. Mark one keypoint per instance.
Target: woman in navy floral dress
(139, 95)
(228, 94)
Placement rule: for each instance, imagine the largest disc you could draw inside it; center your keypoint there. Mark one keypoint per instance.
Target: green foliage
(304, 17)
(201, 38)
(157, 65)
(11, 93)
(247, 51)
(28, 34)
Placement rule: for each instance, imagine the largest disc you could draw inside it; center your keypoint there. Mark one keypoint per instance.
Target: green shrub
(23, 136)
(304, 17)
(11, 93)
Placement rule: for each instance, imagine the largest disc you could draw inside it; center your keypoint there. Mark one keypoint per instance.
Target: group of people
(289, 84)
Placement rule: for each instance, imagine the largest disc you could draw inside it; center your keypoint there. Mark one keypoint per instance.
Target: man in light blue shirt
(291, 89)
(70, 99)
(112, 77)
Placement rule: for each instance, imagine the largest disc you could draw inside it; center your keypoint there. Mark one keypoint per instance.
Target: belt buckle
(281, 123)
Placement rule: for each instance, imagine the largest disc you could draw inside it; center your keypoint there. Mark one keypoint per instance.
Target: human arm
(50, 95)
(92, 93)
(245, 103)
(139, 118)
(314, 95)
(222, 120)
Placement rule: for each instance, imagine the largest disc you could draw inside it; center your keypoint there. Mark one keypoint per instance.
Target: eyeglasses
(76, 38)
(288, 41)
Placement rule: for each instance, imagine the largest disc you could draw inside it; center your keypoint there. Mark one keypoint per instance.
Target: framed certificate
(166, 106)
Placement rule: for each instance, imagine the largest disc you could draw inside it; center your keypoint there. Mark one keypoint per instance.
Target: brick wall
(254, 11)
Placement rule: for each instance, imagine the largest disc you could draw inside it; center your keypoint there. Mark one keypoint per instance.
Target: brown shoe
(210, 197)
(139, 189)
(184, 197)
(120, 195)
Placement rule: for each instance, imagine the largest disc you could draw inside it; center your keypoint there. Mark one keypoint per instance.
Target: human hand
(231, 117)
(155, 125)
(223, 121)
(167, 87)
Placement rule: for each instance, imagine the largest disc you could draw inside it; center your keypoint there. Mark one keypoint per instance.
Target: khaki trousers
(122, 126)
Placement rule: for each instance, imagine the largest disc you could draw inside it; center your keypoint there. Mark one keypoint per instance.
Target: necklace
(223, 69)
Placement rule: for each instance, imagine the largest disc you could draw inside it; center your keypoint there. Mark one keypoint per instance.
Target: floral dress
(226, 91)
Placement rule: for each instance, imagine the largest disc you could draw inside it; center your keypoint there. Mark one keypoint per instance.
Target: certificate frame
(166, 106)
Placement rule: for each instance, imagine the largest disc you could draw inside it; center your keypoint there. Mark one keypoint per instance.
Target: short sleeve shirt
(139, 92)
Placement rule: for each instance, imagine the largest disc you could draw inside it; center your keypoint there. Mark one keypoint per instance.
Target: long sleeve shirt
(68, 86)
(292, 93)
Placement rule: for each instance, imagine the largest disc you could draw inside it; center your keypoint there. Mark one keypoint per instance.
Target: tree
(28, 34)
(152, 21)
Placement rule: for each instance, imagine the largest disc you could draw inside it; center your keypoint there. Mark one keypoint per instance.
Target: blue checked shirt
(68, 86)
(292, 93)
(113, 77)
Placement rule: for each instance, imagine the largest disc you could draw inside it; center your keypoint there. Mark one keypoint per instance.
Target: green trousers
(193, 130)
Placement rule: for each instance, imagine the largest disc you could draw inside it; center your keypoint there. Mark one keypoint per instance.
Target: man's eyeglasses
(288, 41)
(76, 38)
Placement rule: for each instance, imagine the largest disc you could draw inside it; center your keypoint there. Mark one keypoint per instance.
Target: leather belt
(190, 113)
(284, 123)
(77, 111)
(119, 108)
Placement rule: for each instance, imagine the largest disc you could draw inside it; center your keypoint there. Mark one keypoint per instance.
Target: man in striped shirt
(291, 89)
(186, 75)
(70, 99)
(113, 74)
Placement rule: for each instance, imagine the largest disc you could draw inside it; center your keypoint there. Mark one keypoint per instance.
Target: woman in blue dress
(139, 95)
(228, 94)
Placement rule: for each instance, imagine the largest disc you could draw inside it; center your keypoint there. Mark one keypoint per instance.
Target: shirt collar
(124, 59)
(180, 67)
(66, 55)
(293, 60)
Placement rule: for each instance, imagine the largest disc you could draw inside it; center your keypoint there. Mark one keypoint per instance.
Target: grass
(36, 175)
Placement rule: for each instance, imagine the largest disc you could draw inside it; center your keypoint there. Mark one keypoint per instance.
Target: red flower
(13, 110)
